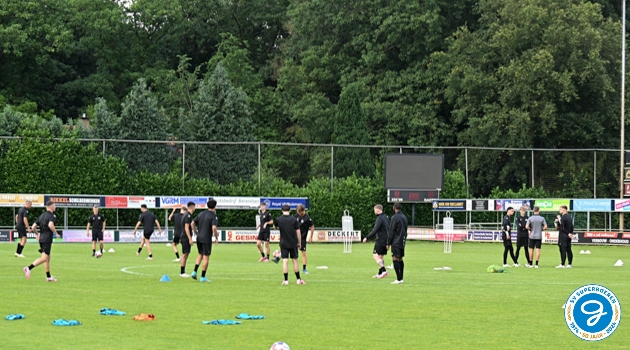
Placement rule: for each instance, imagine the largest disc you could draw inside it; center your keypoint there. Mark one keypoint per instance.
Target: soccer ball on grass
(280, 346)
(98, 254)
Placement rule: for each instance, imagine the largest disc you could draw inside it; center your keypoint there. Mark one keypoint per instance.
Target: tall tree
(535, 73)
(142, 119)
(351, 128)
(220, 113)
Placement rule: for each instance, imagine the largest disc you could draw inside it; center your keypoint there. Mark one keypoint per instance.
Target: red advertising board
(600, 235)
(116, 202)
(626, 235)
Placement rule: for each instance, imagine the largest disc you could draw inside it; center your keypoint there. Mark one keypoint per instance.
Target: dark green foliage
(350, 127)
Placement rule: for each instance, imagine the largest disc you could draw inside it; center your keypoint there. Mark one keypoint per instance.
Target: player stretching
(522, 235)
(265, 232)
(381, 228)
(536, 224)
(98, 222)
(564, 224)
(507, 237)
(177, 220)
(46, 223)
(186, 238)
(206, 226)
(306, 223)
(397, 240)
(21, 226)
(290, 242)
(146, 219)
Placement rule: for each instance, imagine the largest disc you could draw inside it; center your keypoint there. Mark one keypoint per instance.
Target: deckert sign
(76, 201)
(18, 200)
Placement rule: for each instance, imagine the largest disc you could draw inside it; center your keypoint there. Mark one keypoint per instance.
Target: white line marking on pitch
(126, 270)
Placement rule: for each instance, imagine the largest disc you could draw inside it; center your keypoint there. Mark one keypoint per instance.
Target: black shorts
(21, 231)
(204, 248)
(535, 243)
(185, 246)
(148, 235)
(97, 236)
(398, 252)
(45, 248)
(507, 243)
(380, 249)
(177, 238)
(264, 236)
(287, 253)
(303, 243)
(521, 240)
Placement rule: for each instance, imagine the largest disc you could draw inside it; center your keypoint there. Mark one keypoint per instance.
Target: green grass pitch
(339, 308)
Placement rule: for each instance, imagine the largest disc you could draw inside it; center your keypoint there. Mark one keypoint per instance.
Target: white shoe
(569, 267)
(176, 260)
(528, 266)
(506, 265)
(19, 256)
(536, 266)
(560, 267)
(184, 275)
(517, 265)
(378, 275)
(397, 282)
(285, 283)
(149, 258)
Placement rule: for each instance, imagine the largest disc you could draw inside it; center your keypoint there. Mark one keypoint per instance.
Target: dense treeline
(531, 73)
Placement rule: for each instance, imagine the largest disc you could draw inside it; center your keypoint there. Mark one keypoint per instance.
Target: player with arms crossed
(146, 219)
(306, 224)
(506, 234)
(397, 240)
(205, 224)
(265, 232)
(177, 223)
(21, 226)
(564, 224)
(381, 229)
(46, 223)
(522, 236)
(536, 224)
(98, 222)
(290, 242)
(186, 238)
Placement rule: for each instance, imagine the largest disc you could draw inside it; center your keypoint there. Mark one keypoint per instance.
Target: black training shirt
(264, 218)
(305, 223)
(204, 222)
(566, 225)
(22, 213)
(521, 223)
(381, 228)
(398, 230)
(148, 221)
(506, 227)
(186, 219)
(46, 234)
(97, 222)
(288, 227)
(179, 225)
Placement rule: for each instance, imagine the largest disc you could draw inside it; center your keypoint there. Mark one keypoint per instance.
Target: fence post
(183, 165)
(332, 168)
(259, 168)
(532, 168)
(466, 155)
(400, 150)
(103, 148)
(594, 174)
